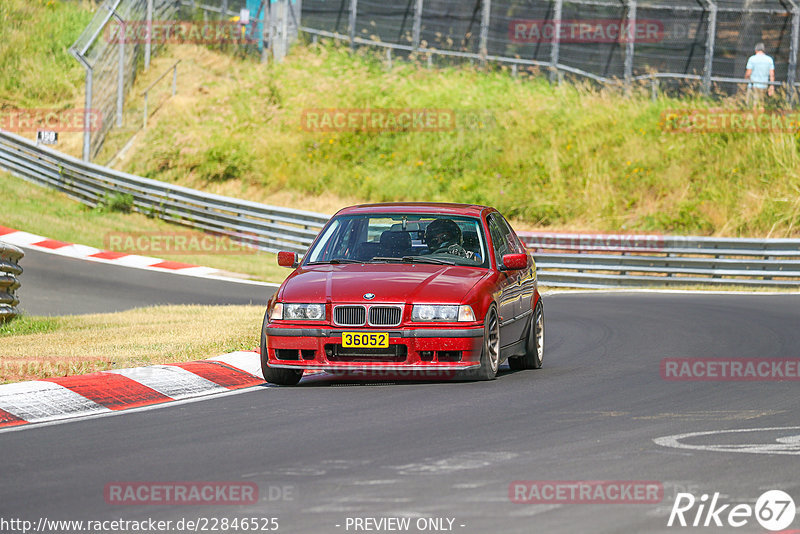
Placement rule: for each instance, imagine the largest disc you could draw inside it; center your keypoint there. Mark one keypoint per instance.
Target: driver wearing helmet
(443, 236)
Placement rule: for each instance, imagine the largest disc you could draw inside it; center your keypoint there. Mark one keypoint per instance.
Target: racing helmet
(442, 233)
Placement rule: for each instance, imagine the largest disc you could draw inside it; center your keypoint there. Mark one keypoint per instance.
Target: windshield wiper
(335, 261)
(426, 259)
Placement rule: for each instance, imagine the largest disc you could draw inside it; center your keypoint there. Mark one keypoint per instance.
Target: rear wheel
(490, 354)
(273, 375)
(534, 344)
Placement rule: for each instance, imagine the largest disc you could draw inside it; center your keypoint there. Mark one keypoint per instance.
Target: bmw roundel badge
(369, 296)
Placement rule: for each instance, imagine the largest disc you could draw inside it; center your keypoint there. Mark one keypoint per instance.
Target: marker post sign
(46, 137)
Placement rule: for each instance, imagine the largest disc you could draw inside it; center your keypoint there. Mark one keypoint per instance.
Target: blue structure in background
(256, 26)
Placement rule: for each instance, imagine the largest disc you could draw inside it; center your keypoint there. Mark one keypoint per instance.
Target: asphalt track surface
(452, 449)
(58, 285)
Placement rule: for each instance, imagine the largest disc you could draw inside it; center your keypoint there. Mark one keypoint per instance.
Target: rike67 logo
(774, 510)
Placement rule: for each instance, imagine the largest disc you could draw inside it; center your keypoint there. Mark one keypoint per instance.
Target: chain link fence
(112, 63)
(699, 43)
(675, 44)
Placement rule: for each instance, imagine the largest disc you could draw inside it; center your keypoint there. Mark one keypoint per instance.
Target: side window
(513, 242)
(499, 240)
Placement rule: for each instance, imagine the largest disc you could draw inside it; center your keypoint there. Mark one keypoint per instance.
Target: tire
(273, 375)
(534, 344)
(490, 353)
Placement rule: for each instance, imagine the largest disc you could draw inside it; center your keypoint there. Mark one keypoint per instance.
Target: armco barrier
(587, 260)
(269, 228)
(563, 260)
(9, 270)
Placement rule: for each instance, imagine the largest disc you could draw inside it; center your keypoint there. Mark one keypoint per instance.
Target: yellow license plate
(365, 340)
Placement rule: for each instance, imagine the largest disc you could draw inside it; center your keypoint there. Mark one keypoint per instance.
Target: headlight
(298, 312)
(448, 313)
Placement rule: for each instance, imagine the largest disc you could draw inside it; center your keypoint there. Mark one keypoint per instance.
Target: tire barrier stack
(9, 283)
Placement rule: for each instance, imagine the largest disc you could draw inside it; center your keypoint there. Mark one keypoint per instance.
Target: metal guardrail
(595, 261)
(563, 260)
(9, 270)
(265, 227)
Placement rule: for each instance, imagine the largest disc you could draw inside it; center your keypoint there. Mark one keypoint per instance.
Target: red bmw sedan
(418, 289)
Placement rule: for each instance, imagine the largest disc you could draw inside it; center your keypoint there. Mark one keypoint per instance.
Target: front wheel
(490, 353)
(273, 375)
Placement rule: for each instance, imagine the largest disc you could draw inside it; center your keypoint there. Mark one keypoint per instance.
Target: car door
(526, 279)
(511, 329)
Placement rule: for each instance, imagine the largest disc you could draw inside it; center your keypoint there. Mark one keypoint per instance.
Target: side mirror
(288, 259)
(515, 262)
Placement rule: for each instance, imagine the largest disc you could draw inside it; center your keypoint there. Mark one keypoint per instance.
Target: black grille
(287, 354)
(392, 353)
(384, 316)
(349, 315)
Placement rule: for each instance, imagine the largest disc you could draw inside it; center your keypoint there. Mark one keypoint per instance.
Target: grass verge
(34, 347)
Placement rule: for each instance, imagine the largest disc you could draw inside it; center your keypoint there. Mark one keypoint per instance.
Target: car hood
(387, 281)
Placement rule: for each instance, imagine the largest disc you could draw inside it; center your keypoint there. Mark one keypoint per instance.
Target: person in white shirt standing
(760, 71)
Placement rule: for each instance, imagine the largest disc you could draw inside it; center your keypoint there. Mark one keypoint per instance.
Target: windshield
(406, 238)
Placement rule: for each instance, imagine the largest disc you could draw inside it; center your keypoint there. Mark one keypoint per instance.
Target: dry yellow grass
(77, 344)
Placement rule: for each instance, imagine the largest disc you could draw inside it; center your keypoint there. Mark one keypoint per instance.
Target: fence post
(287, 10)
(147, 43)
(791, 76)
(121, 75)
(555, 50)
(352, 23)
(485, 17)
(266, 31)
(711, 39)
(277, 40)
(630, 40)
(417, 24)
(224, 10)
(87, 116)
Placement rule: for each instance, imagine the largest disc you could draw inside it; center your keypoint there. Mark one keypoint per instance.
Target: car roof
(417, 207)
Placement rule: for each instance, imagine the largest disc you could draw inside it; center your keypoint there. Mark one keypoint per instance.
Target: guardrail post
(351, 28)
(654, 88)
(711, 39)
(485, 19)
(555, 49)
(389, 59)
(148, 38)
(630, 40)
(224, 9)
(791, 77)
(417, 25)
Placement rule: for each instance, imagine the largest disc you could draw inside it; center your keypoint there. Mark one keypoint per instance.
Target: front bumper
(421, 349)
